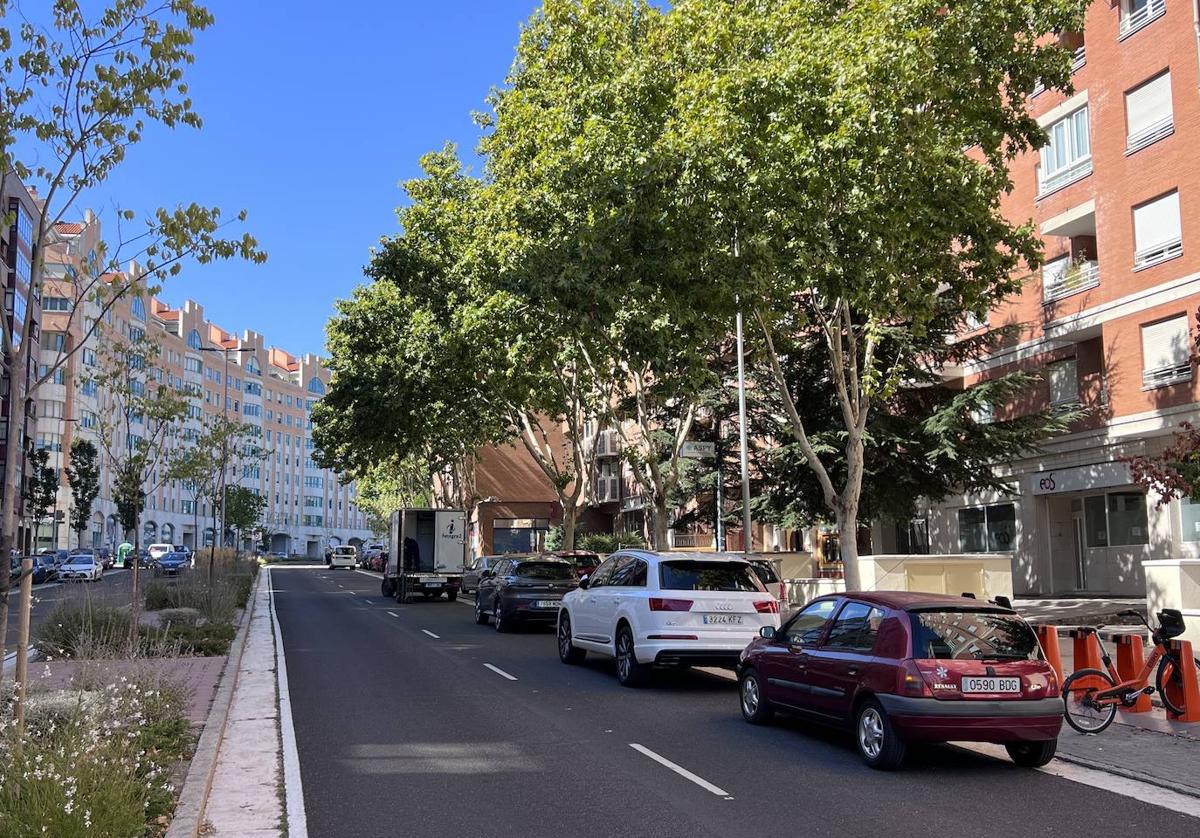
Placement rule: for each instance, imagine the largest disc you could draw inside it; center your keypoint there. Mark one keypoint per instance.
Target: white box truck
(426, 553)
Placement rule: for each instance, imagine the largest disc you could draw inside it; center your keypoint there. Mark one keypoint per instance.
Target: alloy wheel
(623, 653)
(750, 697)
(564, 637)
(870, 733)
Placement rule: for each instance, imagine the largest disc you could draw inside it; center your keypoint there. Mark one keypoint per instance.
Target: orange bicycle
(1092, 696)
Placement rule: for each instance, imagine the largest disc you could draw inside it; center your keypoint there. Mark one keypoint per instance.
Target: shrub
(207, 640)
(603, 542)
(93, 762)
(82, 629)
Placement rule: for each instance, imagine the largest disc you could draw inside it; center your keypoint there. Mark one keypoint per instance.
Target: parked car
(170, 564)
(44, 569)
(474, 572)
(155, 551)
(903, 667)
(49, 568)
(524, 589)
(647, 609)
(585, 561)
(344, 555)
(378, 562)
(81, 566)
(769, 576)
(106, 557)
(187, 552)
(60, 556)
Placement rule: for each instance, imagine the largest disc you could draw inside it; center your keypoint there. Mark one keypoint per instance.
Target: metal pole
(224, 444)
(746, 522)
(720, 509)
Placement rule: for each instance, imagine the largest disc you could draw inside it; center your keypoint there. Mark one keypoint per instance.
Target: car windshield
(587, 561)
(79, 560)
(544, 570)
(972, 635)
(690, 575)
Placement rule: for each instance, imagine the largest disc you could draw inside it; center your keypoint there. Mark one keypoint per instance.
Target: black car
(523, 589)
(44, 569)
(170, 564)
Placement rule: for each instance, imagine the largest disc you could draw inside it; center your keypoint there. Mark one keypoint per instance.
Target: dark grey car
(528, 589)
(472, 575)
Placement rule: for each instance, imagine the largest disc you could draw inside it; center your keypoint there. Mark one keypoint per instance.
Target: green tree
(83, 475)
(244, 509)
(41, 489)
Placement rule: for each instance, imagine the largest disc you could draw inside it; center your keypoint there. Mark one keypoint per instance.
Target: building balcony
(1079, 276)
(1065, 176)
(1135, 15)
(1079, 58)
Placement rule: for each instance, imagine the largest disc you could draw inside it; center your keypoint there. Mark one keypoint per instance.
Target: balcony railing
(1133, 21)
(1064, 176)
(1150, 134)
(1080, 58)
(1162, 376)
(1078, 277)
(1158, 253)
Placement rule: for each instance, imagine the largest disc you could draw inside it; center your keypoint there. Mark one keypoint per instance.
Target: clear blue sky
(313, 113)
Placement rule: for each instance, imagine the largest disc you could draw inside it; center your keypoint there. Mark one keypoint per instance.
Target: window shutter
(1064, 382)
(1148, 112)
(1165, 347)
(1156, 223)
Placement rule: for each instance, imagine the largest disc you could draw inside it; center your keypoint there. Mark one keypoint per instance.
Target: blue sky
(313, 113)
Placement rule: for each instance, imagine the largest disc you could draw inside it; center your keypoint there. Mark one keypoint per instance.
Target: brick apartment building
(17, 252)
(1110, 319)
(240, 375)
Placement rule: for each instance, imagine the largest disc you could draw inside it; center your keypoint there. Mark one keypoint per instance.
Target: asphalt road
(403, 729)
(114, 587)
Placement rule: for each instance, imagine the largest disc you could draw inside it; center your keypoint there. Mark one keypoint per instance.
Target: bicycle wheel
(1081, 710)
(1169, 682)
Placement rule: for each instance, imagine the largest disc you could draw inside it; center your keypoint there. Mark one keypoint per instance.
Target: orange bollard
(1189, 696)
(1131, 656)
(1086, 649)
(1048, 637)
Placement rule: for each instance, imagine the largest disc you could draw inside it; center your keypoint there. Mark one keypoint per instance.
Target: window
(1064, 382)
(1166, 352)
(631, 574)
(1148, 113)
(193, 365)
(806, 627)
(88, 388)
(56, 304)
(1068, 155)
(59, 376)
(1189, 515)
(89, 356)
(1157, 235)
(608, 481)
(972, 635)
(54, 340)
(138, 308)
(89, 420)
(1116, 519)
(314, 482)
(252, 409)
(700, 575)
(987, 529)
(560, 571)
(193, 340)
(1138, 13)
(252, 367)
(856, 627)
(316, 385)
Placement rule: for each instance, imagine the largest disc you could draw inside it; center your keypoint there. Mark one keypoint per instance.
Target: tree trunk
(848, 545)
(659, 521)
(570, 517)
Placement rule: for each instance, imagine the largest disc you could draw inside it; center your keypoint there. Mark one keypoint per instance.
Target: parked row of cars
(893, 667)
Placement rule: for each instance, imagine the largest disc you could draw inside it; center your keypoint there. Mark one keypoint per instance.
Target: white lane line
(1127, 787)
(370, 573)
(500, 672)
(393, 613)
(434, 636)
(293, 790)
(681, 771)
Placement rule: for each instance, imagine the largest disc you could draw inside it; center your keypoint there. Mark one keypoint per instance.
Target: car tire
(1032, 754)
(630, 672)
(878, 743)
(480, 618)
(755, 707)
(451, 596)
(568, 652)
(499, 623)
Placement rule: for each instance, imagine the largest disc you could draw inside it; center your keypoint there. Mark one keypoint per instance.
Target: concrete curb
(1128, 774)
(188, 819)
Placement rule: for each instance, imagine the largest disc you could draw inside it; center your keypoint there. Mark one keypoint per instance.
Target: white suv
(647, 609)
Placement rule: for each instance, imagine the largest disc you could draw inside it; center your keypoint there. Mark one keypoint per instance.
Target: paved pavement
(412, 720)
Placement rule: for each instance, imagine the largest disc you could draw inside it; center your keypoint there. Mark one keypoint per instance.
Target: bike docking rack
(1187, 697)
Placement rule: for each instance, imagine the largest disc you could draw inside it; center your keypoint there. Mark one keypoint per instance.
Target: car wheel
(755, 707)
(480, 618)
(1032, 754)
(498, 621)
(630, 673)
(451, 596)
(568, 652)
(878, 743)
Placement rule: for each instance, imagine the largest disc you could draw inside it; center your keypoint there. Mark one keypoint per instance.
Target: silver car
(472, 575)
(82, 566)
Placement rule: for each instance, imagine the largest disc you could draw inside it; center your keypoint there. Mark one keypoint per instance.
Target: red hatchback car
(905, 667)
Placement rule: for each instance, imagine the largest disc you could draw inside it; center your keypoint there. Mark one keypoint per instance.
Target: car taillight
(660, 604)
(768, 606)
(1052, 687)
(910, 681)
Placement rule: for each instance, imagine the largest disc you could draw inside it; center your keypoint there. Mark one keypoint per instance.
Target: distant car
(900, 667)
(528, 589)
(157, 550)
(585, 561)
(665, 609)
(81, 567)
(44, 569)
(378, 562)
(472, 575)
(770, 578)
(170, 564)
(60, 556)
(106, 557)
(343, 555)
(49, 568)
(187, 551)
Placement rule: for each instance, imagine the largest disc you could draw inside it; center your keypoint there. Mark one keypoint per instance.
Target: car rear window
(972, 635)
(689, 575)
(545, 570)
(766, 574)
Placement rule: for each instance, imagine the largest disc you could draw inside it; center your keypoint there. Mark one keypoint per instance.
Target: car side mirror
(767, 632)
(583, 582)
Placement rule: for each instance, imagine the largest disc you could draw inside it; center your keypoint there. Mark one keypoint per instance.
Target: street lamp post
(225, 350)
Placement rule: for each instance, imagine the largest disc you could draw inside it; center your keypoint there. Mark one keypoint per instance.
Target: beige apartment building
(239, 375)
(1110, 319)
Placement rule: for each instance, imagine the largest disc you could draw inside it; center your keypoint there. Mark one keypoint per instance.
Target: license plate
(548, 603)
(974, 684)
(433, 584)
(435, 580)
(723, 619)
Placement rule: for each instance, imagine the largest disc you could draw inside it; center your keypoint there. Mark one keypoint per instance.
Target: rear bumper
(930, 719)
(706, 650)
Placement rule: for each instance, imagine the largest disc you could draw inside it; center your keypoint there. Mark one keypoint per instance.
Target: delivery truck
(426, 554)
